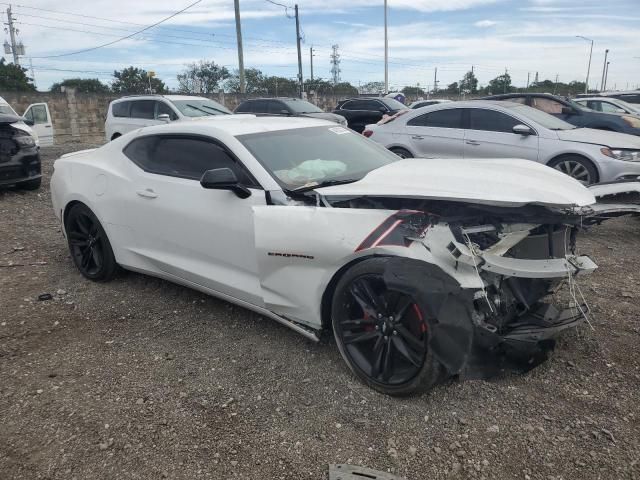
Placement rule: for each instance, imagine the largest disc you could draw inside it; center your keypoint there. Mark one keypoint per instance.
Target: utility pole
(435, 81)
(236, 4)
(555, 87)
(299, 52)
(33, 75)
(12, 35)
(586, 82)
(386, 52)
(504, 83)
(311, 58)
(606, 77)
(528, 76)
(604, 68)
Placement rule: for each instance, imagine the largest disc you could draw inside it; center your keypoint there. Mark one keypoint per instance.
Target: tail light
(367, 133)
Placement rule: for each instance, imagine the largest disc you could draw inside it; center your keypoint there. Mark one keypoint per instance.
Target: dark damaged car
(19, 156)
(414, 265)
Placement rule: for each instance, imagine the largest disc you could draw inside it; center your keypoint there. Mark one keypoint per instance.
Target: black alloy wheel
(382, 333)
(89, 245)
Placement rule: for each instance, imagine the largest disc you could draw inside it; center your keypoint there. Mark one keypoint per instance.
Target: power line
(125, 37)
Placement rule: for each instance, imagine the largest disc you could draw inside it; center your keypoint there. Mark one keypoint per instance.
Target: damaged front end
(490, 275)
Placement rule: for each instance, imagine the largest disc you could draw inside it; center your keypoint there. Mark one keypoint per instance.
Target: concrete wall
(79, 117)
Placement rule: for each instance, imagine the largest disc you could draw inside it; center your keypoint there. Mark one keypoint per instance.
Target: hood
(600, 137)
(504, 182)
(333, 117)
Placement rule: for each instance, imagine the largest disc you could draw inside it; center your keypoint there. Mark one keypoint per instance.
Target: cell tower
(335, 64)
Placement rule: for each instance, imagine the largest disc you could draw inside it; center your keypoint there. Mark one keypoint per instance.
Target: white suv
(133, 112)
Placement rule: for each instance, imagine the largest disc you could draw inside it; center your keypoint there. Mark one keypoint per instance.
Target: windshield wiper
(199, 109)
(215, 109)
(326, 183)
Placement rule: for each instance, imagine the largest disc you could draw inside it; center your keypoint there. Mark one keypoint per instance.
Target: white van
(37, 121)
(137, 111)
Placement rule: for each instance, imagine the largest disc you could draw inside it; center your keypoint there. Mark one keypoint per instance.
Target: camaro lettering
(290, 255)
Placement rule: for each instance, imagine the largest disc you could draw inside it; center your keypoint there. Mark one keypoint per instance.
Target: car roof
(168, 97)
(240, 124)
(274, 98)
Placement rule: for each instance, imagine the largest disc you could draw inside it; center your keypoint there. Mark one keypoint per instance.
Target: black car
(360, 112)
(19, 156)
(574, 113)
(290, 107)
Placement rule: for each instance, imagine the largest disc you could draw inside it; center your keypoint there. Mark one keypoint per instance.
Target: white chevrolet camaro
(414, 264)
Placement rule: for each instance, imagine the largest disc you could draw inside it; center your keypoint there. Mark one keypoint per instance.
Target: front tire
(577, 167)
(401, 152)
(88, 244)
(382, 333)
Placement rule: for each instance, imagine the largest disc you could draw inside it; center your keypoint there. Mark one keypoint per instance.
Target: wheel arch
(398, 146)
(115, 135)
(577, 154)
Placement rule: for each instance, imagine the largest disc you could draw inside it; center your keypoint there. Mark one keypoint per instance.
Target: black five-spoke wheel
(382, 333)
(89, 245)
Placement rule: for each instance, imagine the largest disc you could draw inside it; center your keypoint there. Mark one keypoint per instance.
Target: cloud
(485, 23)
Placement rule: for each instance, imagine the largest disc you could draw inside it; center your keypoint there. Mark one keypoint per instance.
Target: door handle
(148, 193)
(417, 137)
(472, 142)
(47, 126)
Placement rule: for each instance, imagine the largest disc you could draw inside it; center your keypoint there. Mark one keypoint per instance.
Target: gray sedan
(491, 129)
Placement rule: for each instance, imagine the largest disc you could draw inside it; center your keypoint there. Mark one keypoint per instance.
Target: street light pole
(604, 68)
(586, 82)
(386, 52)
(606, 76)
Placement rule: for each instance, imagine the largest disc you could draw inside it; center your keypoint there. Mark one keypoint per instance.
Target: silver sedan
(488, 129)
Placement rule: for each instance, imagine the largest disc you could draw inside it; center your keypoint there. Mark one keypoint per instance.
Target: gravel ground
(140, 378)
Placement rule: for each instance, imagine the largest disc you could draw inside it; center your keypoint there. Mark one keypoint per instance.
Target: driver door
(199, 235)
(40, 115)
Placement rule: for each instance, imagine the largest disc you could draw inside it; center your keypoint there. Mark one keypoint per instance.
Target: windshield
(200, 107)
(7, 110)
(302, 106)
(305, 157)
(392, 103)
(543, 119)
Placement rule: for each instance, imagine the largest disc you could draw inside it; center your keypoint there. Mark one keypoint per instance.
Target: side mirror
(164, 117)
(382, 110)
(224, 179)
(568, 111)
(28, 122)
(522, 130)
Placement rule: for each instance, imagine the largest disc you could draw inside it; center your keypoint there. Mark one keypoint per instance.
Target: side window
(120, 109)
(182, 157)
(276, 107)
(376, 106)
(593, 105)
(163, 108)
(143, 109)
(450, 118)
(360, 105)
(259, 106)
(28, 114)
(491, 121)
(37, 114)
(547, 105)
(349, 105)
(244, 107)
(609, 107)
(520, 100)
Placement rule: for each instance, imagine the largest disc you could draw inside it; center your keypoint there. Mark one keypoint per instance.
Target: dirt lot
(140, 378)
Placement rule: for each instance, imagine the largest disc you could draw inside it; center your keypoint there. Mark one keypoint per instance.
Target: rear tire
(31, 184)
(401, 152)
(88, 244)
(576, 167)
(382, 334)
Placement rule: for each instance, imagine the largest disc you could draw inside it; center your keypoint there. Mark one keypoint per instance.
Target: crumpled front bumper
(22, 167)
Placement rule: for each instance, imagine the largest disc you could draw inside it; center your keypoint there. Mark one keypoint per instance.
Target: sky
(521, 36)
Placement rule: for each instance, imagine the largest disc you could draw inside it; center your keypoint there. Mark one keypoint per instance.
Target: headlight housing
(26, 141)
(633, 122)
(622, 154)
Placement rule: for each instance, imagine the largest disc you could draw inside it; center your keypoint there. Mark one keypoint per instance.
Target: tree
(320, 86)
(373, 87)
(202, 77)
(469, 83)
(453, 88)
(82, 85)
(253, 78)
(13, 78)
(412, 91)
(500, 84)
(136, 80)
